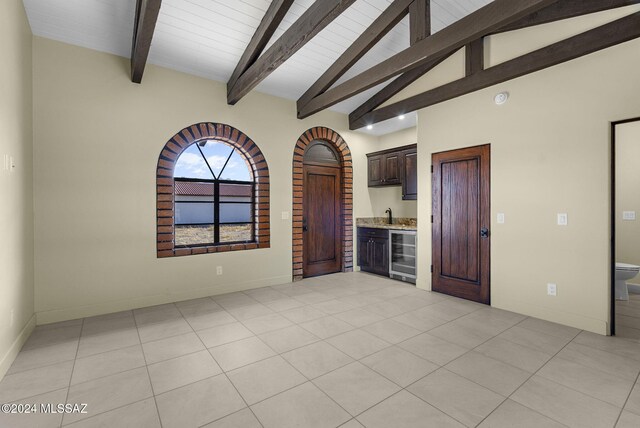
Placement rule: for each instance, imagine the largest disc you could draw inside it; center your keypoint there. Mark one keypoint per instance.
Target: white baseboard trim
(633, 288)
(16, 346)
(66, 314)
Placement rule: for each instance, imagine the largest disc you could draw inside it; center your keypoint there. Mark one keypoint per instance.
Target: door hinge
(431, 169)
(431, 268)
(431, 219)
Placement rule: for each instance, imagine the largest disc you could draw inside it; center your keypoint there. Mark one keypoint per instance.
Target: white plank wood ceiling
(207, 37)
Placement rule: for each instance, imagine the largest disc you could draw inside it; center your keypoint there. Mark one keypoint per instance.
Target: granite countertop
(399, 223)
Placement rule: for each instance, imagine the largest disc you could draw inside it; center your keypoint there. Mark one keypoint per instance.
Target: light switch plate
(628, 215)
(285, 215)
(500, 218)
(563, 219)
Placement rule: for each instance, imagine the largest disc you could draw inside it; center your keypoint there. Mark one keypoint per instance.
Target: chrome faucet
(390, 217)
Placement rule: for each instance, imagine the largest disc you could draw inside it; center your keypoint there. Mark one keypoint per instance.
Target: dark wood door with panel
(461, 219)
(322, 211)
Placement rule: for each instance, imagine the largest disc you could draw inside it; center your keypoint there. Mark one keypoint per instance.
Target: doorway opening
(460, 224)
(322, 204)
(625, 229)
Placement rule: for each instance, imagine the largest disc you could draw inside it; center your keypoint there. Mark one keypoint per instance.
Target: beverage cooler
(402, 255)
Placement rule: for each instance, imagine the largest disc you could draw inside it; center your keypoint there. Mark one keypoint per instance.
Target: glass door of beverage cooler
(402, 257)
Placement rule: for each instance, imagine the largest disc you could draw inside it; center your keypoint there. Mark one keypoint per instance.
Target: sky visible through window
(191, 164)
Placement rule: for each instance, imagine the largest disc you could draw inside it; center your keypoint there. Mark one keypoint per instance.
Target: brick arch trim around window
(165, 187)
(333, 138)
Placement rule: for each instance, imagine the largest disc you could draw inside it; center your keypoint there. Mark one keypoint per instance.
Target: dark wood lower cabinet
(373, 250)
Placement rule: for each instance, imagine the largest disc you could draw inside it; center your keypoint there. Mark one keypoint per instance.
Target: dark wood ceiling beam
(616, 32)
(419, 20)
(485, 20)
(566, 9)
(474, 57)
(392, 89)
(269, 24)
(419, 28)
(144, 25)
(372, 35)
(320, 14)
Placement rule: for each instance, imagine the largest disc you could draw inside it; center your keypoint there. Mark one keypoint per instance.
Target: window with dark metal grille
(214, 196)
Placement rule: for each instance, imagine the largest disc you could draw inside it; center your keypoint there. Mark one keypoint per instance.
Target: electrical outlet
(500, 218)
(563, 219)
(552, 289)
(218, 270)
(12, 164)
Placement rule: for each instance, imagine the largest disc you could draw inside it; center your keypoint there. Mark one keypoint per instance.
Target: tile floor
(345, 350)
(628, 317)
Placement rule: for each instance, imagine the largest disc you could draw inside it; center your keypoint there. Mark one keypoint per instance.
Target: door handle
(304, 225)
(484, 232)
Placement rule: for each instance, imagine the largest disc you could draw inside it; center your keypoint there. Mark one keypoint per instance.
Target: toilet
(624, 272)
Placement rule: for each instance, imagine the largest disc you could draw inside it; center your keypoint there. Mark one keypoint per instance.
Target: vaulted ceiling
(347, 55)
(207, 37)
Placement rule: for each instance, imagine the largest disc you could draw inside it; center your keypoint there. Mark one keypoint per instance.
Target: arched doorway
(322, 204)
(321, 210)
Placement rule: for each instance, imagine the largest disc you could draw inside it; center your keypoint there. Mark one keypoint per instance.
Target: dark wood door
(410, 179)
(461, 220)
(322, 218)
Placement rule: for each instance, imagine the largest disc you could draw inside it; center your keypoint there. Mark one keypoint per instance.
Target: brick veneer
(165, 187)
(330, 136)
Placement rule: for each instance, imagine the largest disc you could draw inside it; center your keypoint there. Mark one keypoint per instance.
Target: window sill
(208, 249)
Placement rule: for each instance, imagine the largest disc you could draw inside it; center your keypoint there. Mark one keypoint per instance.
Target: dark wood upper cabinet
(374, 167)
(410, 175)
(395, 167)
(384, 169)
(392, 169)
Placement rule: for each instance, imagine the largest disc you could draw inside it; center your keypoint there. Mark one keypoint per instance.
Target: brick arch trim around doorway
(332, 137)
(165, 188)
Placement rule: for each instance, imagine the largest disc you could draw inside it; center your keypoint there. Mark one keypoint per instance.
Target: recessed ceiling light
(401, 117)
(501, 98)
(369, 127)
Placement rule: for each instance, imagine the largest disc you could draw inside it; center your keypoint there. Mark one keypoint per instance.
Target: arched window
(213, 196)
(212, 192)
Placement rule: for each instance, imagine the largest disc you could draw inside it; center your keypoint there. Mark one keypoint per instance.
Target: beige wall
(550, 153)
(16, 207)
(382, 198)
(97, 141)
(628, 193)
